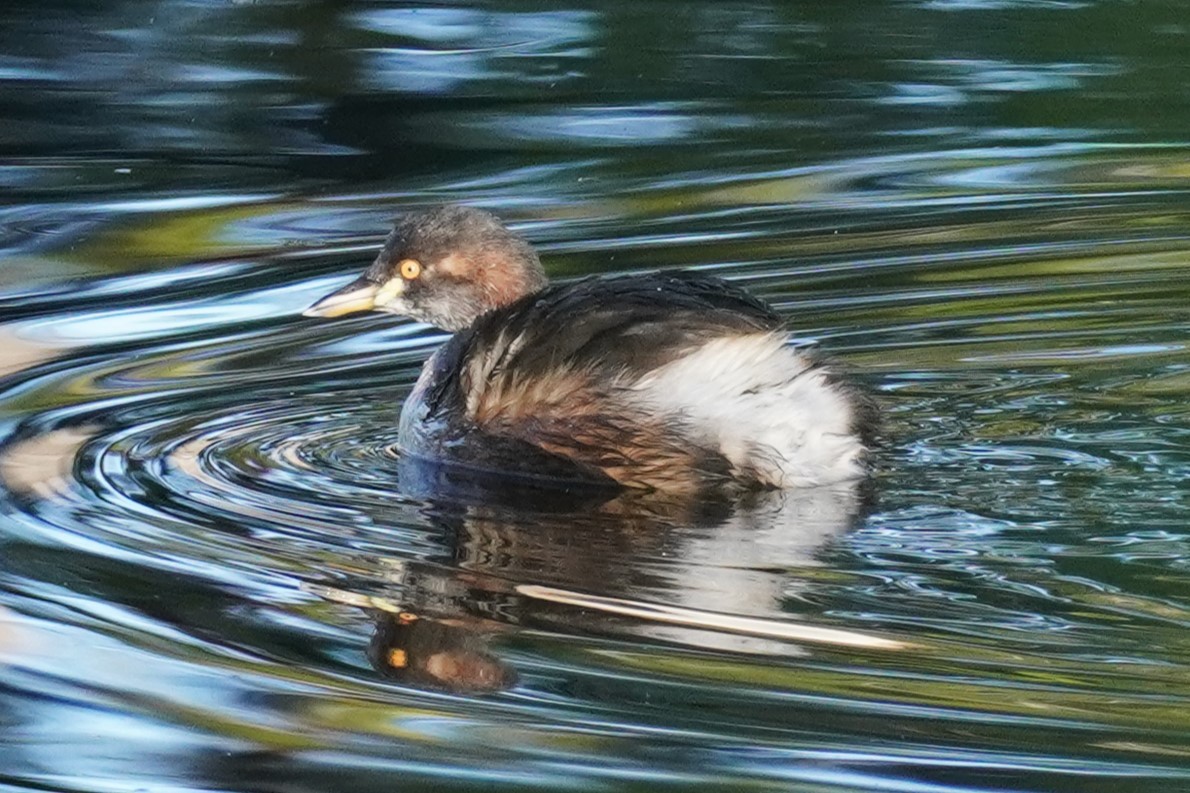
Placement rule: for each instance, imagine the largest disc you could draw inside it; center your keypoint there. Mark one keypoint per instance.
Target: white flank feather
(765, 405)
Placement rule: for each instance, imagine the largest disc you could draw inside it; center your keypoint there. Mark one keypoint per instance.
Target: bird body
(676, 382)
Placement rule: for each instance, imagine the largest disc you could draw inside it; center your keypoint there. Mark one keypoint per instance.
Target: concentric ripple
(281, 464)
(220, 477)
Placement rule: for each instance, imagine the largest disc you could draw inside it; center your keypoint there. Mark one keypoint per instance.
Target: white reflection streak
(696, 618)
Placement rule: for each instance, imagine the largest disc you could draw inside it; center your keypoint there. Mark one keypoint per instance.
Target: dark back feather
(632, 324)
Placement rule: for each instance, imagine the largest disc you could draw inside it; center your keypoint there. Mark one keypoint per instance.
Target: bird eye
(410, 269)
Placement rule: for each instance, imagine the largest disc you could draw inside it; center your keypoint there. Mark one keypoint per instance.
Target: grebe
(676, 382)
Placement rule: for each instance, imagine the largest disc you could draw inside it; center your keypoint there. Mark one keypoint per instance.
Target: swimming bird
(672, 381)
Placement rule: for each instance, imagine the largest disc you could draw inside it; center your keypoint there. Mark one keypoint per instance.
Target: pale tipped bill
(359, 295)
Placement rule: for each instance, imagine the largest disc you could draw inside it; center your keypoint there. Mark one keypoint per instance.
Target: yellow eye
(410, 269)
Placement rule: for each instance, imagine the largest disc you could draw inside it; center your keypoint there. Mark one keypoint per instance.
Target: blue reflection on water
(205, 528)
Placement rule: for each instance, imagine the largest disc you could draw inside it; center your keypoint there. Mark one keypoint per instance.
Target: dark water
(212, 579)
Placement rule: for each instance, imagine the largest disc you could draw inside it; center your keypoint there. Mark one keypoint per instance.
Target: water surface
(215, 576)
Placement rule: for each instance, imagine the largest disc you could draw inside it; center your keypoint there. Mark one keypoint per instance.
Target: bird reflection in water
(705, 575)
(437, 653)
